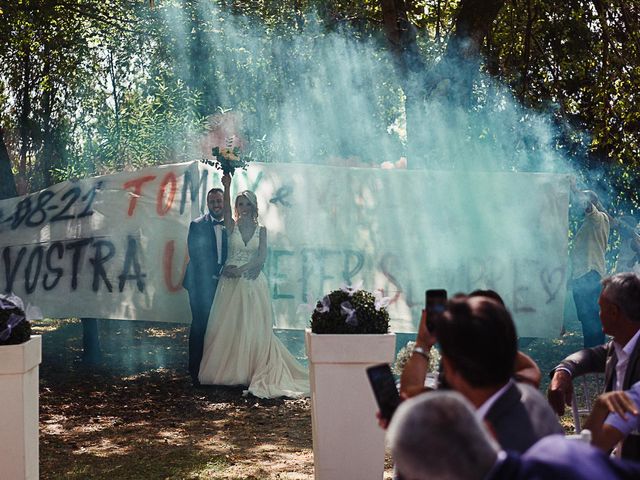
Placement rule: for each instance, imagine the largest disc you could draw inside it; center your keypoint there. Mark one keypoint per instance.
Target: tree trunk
(116, 109)
(603, 78)
(460, 63)
(401, 36)
(526, 54)
(472, 25)
(7, 182)
(459, 66)
(47, 125)
(91, 351)
(25, 113)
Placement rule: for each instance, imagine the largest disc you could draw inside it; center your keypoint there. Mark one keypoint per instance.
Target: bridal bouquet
(14, 326)
(351, 310)
(228, 159)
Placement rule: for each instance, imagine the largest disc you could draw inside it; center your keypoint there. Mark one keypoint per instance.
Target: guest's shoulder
(545, 420)
(531, 395)
(556, 447)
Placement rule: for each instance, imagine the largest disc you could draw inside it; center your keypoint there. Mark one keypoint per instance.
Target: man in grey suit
(438, 436)
(619, 359)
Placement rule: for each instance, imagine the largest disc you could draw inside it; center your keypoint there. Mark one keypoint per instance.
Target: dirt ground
(136, 415)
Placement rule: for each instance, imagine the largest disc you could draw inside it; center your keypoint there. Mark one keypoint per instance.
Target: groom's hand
(230, 271)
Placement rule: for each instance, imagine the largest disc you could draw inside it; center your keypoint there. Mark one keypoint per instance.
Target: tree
(7, 183)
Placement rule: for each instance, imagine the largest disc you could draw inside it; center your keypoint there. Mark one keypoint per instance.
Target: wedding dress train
(240, 347)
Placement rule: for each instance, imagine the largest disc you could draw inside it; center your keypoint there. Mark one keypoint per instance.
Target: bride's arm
(226, 206)
(228, 270)
(253, 267)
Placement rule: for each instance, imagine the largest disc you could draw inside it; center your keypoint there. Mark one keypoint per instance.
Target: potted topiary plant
(20, 355)
(349, 332)
(14, 326)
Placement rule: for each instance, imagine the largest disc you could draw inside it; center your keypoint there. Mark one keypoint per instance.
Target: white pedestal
(347, 441)
(19, 390)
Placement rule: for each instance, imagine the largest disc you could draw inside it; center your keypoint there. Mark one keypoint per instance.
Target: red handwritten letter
(136, 183)
(161, 207)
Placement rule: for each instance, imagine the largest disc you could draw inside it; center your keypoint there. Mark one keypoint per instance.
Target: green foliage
(95, 87)
(333, 316)
(580, 62)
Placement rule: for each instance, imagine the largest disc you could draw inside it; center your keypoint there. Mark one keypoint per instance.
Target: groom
(207, 245)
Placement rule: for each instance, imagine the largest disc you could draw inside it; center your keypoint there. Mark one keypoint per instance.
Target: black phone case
(384, 389)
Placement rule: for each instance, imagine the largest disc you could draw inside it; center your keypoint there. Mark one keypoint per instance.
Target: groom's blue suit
(201, 281)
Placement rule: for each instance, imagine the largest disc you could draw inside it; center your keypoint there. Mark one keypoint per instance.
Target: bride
(239, 345)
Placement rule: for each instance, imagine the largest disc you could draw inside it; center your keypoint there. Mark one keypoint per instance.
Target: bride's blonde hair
(253, 200)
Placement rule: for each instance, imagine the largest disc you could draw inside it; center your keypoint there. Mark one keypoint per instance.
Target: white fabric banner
(115, 246)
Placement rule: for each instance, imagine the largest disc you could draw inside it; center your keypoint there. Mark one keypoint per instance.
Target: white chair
(585, 409)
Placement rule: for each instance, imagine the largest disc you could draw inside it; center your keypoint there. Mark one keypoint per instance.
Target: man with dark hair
(479, 346)
(525, 369)
(207, 246)
(619, 359)
(438, 436)
(478, 338)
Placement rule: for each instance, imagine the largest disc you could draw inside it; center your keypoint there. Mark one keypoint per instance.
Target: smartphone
(435, 303)
(384, 389)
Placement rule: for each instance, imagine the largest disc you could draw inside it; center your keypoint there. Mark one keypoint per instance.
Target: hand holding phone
(384, 389)
(435, 304)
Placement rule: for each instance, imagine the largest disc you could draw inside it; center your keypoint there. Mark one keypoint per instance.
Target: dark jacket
(520, 417)
(556, 457)
(204, 266)
(603, 359)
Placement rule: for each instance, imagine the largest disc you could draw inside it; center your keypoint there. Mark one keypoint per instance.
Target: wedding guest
(588, 265)
(629, 253)
(615, 416)
(415, 370)
(478, 344)
(619, 359)
(525, 370)
(439, 436)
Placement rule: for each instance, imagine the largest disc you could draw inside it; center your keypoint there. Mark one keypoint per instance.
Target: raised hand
(425, 338)
(226, 180)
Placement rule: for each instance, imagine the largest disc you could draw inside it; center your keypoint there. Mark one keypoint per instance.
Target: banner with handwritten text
(115, 246)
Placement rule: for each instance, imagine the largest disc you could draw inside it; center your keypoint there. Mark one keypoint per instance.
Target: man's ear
(617, 311)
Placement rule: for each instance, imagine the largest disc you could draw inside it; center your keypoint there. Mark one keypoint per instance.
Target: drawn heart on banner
(552, 281)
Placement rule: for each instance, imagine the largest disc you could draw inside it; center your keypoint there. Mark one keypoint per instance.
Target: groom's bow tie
(217, 222)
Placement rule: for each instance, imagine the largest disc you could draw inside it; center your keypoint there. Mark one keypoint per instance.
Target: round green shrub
(14, 327)
(366, 317)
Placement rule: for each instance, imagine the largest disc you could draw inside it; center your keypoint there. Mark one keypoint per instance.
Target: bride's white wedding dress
(240, 347)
